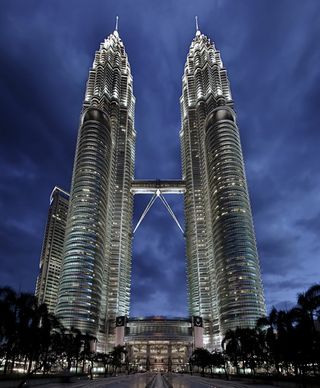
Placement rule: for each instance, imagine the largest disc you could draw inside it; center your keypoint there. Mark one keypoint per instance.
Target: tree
(26, 330)
(118, 356)
(243, 344)
(47, 332)
(267, 326)
(87, 353)
(105, 359)
(201, 358)
(18, 325)
(218, 360)
(231, 345)
(8, 306)
(72, 340)
(309, 303)
(307, 338)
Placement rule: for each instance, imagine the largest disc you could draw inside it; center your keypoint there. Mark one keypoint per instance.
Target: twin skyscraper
(93, 270)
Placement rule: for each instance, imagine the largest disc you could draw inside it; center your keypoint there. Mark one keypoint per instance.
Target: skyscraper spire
(116, 32)
(117, 22)
(197, 26)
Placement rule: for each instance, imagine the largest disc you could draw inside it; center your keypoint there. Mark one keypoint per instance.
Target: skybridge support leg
(151, 202)
(167, 206)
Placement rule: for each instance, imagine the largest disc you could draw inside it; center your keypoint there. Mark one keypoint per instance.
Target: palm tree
(232, 347)
(250, 348)
(72, 340)
(287, 338)
(17, 315)
(309, 303)
(8, 306)
(28, 322)
(267, 326)
(307, 338)
(48, 329)
(242, 344)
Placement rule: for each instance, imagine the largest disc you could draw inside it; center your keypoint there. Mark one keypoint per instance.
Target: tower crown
(110, 76)
(204, 74)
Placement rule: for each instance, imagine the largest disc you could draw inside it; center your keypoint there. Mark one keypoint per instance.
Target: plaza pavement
(141, 380)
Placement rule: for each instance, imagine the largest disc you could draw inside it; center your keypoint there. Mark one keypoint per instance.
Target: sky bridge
(152, 186)
(157, 188)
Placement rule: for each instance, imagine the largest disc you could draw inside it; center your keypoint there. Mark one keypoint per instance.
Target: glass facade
(96, 270)
(224, 279)
(239, 287)
(83, 273)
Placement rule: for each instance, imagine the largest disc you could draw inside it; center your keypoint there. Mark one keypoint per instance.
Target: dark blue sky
(272, 53)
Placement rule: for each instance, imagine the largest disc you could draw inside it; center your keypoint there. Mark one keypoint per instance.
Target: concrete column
(169, 357)
(148, 358)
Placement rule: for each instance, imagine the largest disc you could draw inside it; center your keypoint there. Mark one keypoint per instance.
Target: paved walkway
(141, 380)
(187, 381)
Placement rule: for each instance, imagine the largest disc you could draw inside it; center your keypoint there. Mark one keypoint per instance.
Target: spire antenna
(117, 22)
(197, 24)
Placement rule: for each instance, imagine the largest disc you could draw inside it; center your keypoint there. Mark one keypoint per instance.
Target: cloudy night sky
(272, 53)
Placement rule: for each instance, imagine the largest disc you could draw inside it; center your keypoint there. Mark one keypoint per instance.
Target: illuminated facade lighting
(224, 278)
(224, 281)
(96, 270)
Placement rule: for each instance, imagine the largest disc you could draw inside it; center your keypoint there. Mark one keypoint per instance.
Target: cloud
(271, 54)
(310, 224)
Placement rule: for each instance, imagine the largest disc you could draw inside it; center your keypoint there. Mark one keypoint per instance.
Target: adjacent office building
(224, 281)
(52, 249)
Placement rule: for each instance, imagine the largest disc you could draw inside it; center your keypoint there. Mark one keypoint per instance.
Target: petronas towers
(224, 282)
(95, 275)
(224, 279)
